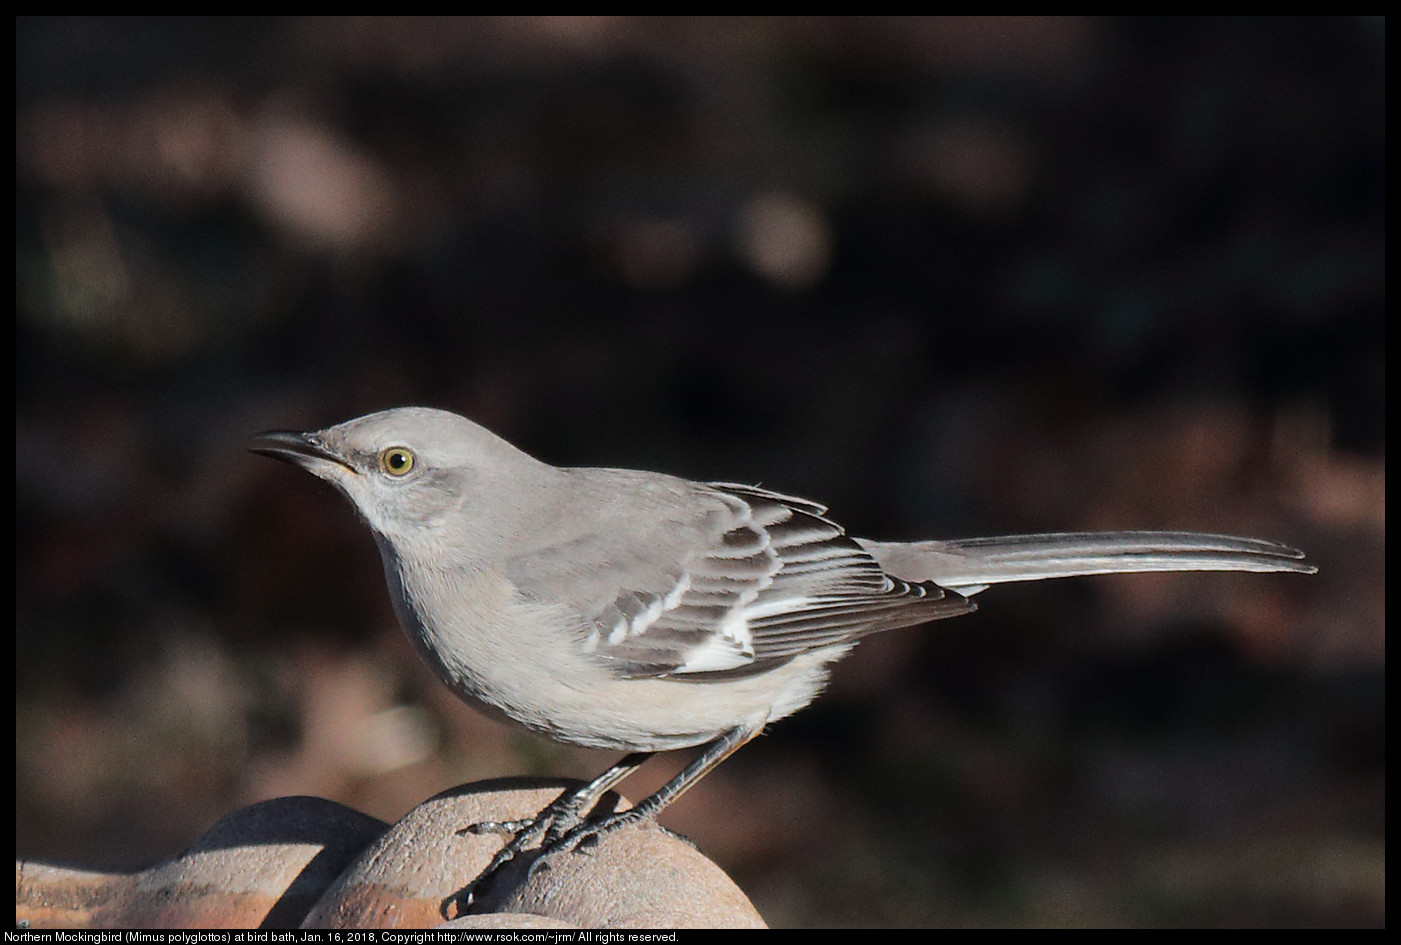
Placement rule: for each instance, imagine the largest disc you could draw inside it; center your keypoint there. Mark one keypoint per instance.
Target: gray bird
(642, 612)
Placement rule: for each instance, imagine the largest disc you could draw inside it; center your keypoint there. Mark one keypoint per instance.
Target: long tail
(969, 565)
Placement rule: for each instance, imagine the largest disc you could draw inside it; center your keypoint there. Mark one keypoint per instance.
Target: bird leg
(563, 825)
(588, 833)
(561, 815)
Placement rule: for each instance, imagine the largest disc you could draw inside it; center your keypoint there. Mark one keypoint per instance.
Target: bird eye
(396, 460)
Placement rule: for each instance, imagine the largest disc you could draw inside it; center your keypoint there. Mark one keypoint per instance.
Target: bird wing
(744, 579)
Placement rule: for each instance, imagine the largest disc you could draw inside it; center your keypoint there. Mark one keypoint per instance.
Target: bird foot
(559, 828)
(555, 831)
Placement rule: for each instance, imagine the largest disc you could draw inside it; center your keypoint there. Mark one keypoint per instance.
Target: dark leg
(591, 831)
(561, 816)
(562, 826)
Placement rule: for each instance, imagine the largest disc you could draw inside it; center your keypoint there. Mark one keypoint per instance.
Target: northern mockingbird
(642, 612)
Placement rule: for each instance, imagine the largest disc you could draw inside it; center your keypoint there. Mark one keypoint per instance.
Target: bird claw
(526, 834)
(497, 826)
(543, 833)
(546, 836)
(585, 837)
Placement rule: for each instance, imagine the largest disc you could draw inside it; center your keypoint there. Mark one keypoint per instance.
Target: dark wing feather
(774, 579)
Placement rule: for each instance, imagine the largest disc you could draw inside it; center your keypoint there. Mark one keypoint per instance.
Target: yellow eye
(396, 460)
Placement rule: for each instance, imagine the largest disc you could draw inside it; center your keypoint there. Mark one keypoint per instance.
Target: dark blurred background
(951, 276)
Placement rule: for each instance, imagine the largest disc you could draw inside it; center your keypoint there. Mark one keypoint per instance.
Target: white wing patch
(718, 652)
(732, 645)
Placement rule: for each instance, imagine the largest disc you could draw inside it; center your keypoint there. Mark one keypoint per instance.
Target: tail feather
(969, 565)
